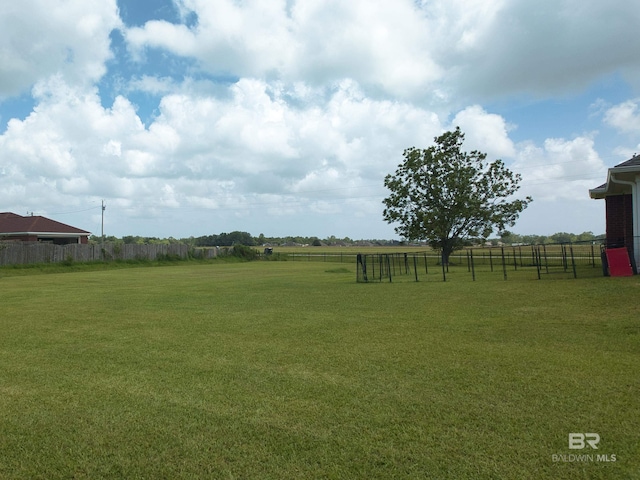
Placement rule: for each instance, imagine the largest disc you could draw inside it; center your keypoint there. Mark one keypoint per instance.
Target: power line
(76, 211)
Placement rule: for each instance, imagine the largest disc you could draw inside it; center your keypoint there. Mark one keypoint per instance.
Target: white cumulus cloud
(40, 38)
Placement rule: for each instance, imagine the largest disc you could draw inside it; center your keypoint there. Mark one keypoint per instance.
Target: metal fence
(537, 261)
(14, 253)
(312, 256)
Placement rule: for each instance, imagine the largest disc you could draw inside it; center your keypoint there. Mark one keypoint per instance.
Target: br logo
(577, 440)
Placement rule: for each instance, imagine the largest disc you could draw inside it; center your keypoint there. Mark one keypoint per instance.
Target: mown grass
(293, 370)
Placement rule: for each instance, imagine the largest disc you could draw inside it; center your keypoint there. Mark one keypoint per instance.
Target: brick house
(39, 229)
(621, 193)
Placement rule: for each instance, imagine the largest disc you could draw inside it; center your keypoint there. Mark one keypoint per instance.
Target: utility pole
(103, 208)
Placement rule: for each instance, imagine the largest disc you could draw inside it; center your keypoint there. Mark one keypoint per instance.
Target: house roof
(11, 223)
(634, 161)
(618, 178)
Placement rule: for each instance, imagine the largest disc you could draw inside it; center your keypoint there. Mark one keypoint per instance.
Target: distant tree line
(224, 240)
(559, 237)
(245, 238)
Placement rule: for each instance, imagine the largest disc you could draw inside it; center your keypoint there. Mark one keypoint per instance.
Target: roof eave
(47, 234)
(628, 169)
(598, 193)
(601, 192)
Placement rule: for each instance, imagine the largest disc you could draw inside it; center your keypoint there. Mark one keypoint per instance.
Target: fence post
(473, 268)
(573, 262)
(373, 267)
(361, 265)
(504, 265)
(491, 260)
(533, 255)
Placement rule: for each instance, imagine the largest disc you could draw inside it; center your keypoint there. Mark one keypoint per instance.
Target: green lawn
(293, 370)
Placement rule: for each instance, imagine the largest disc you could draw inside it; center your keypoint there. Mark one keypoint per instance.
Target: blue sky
(282, 117)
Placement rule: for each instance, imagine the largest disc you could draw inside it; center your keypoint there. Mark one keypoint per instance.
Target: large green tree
(445, 195)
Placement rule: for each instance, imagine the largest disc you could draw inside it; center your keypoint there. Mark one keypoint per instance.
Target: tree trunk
(447, 250)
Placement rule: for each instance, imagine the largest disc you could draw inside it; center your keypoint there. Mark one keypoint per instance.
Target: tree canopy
(445, 195)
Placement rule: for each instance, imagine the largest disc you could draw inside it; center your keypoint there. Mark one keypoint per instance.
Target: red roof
(10, 223)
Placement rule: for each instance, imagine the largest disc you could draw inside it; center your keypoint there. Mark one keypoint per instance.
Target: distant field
(351, 249)
(293, 370)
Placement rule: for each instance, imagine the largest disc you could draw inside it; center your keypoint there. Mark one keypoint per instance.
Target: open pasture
(293, 370)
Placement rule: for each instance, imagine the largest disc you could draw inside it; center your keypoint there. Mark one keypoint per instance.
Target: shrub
(242, 251)
(169, 257)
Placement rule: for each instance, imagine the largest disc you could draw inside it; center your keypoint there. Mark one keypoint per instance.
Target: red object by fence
(619, 263)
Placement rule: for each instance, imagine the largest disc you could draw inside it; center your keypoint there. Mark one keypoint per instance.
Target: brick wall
(619, 221)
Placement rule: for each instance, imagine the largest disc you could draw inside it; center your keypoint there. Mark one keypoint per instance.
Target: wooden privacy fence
(28, 253)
